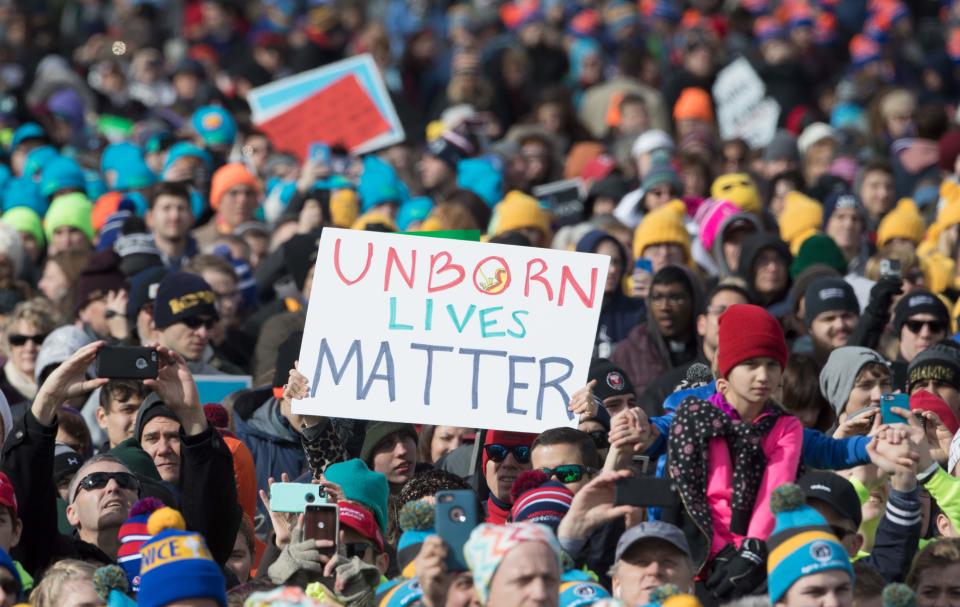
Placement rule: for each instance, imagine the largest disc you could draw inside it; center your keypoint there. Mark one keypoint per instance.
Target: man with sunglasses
(937, 370)
(505, 456)
(898, 532)
(567, 455)
(185, 313)
(100, 497)
(920, 319)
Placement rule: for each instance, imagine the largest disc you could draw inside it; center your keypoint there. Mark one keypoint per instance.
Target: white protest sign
(743, 109)
(446, 332)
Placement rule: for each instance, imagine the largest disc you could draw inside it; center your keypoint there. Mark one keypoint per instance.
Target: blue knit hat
(185, 149)
(176, 564)
(22, 192)
(126, 161)
(801, 544)
(415, 209)
(362, 485)
(578, 589)
(62, 173)
(380, 184)
(482, 176)
(215, 125)
(841, 200)
(37, 159)
(29, 130)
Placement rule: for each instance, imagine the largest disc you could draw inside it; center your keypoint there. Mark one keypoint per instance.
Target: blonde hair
(937, 555)
(47, 592)
(37, 311)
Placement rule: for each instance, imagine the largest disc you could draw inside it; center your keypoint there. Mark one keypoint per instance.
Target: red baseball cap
(359, 518)
(7, 496)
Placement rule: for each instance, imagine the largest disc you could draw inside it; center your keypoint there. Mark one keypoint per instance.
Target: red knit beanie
(748, 331)
(922, 400)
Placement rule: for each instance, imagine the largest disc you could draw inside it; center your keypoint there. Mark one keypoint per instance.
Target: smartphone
(649, 492)
(643, 264)
(295, 497)
(887, 401)
(319, 153)
(456, 516)
(890, 267)
(127, 362)
(322, 522)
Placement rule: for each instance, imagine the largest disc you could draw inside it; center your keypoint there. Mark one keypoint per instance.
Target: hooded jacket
(645, 354)
(753, 245)
(716, 252)
(619, 312)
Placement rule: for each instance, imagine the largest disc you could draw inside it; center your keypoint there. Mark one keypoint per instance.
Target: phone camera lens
(141, 363)
(457, 515)
(310, 498)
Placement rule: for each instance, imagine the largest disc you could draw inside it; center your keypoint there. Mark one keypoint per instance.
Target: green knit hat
(377, 432)
(136, 459)
(74, 210)
(362, 485)
(24, 219)
(821, 249)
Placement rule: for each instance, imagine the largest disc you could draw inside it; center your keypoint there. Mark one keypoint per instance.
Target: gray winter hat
(838, 375)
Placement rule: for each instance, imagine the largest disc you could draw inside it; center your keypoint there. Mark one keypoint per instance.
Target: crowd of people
(772, 413)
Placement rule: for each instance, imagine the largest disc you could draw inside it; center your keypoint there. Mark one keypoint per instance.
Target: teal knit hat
(23, 219)
(23, 192)
(801, 544)
(215, 125)
(62, 173)
(380, 184)
(74, 210)
(37, 159)
(126, 163)
(362, 485)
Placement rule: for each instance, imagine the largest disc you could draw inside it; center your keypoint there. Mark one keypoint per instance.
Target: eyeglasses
(915, 326)
(668, 299)
(18, 340)
(195, 322)
(99, 480)
(567, 473)
(599, 438)
(498, 453)
(357, 549)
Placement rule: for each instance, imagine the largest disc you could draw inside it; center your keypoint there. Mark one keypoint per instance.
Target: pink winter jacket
(782, 446)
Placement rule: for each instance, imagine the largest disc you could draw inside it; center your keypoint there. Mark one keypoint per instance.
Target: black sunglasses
(600, 438)
(195, 322)
(498, 453)
(18, 340)
(358, 549)
(99, 480)
(567, 473)
(916, 326)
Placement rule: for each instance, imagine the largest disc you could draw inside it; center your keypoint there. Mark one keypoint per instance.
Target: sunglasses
(193, 323)
(18, 340)
(567, 473)
(599, 438)
(498, 453)
(99, 480)
(915, 326)
(358, 549)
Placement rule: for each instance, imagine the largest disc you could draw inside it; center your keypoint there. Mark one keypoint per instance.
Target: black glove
(882, 293)
(738, 574)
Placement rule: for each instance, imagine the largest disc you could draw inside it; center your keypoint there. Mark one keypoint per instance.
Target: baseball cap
(652, 530)
(835, 491)
(361, 520)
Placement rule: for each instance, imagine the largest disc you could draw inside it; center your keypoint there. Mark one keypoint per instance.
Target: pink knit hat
(710, 216)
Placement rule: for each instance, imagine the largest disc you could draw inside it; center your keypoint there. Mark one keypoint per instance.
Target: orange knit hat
(693, 104)
(229, 176)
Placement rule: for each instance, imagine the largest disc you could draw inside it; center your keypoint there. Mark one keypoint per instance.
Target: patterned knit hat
(489, 544)
(176, 564)
(133, 534)
(417, 521)
(578, 589)
(801, 544)
(538, 499)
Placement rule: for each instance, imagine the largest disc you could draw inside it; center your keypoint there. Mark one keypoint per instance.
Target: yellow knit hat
(949, 213)
(801, 217)
(344, 207)
(739, 189)
(938, 271)
(904, 221)
(662, 225)
(518, 210)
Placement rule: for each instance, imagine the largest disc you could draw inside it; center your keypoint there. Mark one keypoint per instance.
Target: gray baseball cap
(652, 530)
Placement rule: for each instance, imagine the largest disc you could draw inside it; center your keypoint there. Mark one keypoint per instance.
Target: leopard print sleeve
(322, 447)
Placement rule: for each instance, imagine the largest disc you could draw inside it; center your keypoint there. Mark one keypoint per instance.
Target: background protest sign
(448, 332)
(215, 388)
(361, 106)
(743, 109)
(565, 199)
